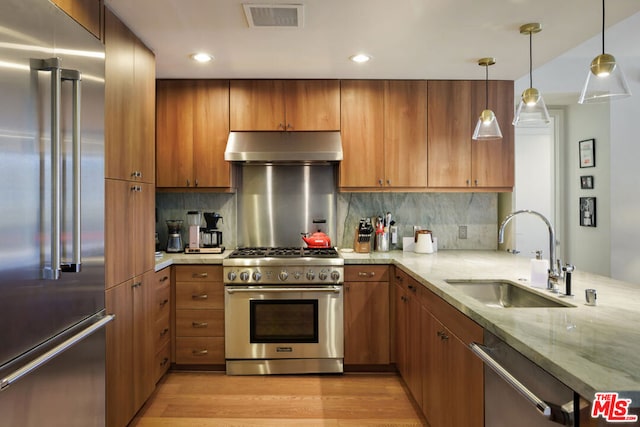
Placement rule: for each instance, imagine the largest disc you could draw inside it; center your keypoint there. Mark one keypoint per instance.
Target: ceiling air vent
(274, 15)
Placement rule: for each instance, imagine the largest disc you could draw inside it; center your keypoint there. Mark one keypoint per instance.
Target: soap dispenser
(539, 270)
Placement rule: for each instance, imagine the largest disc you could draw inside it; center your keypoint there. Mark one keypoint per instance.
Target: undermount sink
(504, 294)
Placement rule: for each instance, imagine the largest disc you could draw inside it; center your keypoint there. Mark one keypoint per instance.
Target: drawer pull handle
(163, 303)
(365, 274)
(164, 332)
(136, 284)
(164, 362)
(200, 275)
(200, 352)
(201, 296)
(164, 279)
(199, 324)
(443, 336)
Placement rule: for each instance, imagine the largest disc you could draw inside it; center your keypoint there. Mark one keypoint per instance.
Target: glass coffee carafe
(174, 242)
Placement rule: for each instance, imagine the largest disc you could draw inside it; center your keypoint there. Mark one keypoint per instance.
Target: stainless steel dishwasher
(517, 392)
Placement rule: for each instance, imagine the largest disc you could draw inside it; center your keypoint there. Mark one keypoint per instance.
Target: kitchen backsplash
(443, 213)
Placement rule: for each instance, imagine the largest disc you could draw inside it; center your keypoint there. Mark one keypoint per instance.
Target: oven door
(276, 322)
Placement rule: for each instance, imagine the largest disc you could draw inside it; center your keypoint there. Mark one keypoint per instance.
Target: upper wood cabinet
(192, 127)
(384, 134)
(291, 105)
(87, 13)
(456, 160)
(129, 104)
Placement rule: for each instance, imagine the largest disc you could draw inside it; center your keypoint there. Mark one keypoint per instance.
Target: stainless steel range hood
(293, 147)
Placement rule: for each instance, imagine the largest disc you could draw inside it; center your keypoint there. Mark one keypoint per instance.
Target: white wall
(617, 134)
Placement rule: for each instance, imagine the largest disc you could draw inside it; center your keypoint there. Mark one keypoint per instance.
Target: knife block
(362, 247)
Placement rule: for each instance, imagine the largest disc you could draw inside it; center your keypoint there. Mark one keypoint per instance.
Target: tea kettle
(317, 240)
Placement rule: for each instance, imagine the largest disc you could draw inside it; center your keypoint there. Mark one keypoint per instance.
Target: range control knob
(322, 275)
(311, 275)
(244, 276)
(231, 276)
(283, 275)
(335, 275)
(257, 276)
(297, 275)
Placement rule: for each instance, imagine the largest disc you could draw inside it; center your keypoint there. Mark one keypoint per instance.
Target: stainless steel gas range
(284, 311)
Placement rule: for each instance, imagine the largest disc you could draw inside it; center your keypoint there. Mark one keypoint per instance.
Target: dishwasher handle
(481, 352)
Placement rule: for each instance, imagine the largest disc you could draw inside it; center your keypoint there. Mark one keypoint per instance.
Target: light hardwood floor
(204, 399)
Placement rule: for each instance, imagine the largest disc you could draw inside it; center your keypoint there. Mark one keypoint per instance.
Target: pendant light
(531, 110)
(605, 79)
(487, 127)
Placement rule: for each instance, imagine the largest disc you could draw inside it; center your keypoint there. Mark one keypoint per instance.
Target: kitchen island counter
(589, 348)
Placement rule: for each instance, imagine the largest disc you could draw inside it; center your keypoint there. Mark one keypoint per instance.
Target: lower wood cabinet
(366, 315)
(130, 348)
(199, 315)
(162, 322)
(433, 357)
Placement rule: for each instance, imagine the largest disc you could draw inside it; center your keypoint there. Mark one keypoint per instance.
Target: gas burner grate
(284, 252)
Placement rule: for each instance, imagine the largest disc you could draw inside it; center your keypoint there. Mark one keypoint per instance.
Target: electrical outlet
(462, 232)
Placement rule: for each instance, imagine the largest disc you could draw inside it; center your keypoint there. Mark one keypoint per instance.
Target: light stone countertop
(590, 349)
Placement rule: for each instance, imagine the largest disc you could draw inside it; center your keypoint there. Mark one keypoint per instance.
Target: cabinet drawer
(162, 362)
(199, 323)
(458, 323)
(198, 350)
(366, 273)
(200, 295)
(199, 273)
(161, 306)
(162, 331)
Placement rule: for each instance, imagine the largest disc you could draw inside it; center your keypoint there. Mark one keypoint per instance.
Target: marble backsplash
(442, 213)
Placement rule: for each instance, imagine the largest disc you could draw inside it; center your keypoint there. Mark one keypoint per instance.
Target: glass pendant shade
(487, 127)
(531, 111)
(605, 81)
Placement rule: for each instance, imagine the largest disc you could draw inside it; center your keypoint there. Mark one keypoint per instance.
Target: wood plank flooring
(204, 399)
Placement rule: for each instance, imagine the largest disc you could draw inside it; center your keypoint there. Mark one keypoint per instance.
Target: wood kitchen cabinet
(87, 13)
(161, 313)
(456, 161)
(129, 230)
(192, 131)
(130, 348)
(199, 315)
(453, 379)
(408, 332)
(129, 104)
(284, 105)
(366, 315)
(384, 134)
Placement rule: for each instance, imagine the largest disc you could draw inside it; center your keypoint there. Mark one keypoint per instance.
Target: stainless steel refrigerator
(52, 318)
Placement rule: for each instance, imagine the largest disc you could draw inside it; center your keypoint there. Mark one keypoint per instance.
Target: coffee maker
(211, 236)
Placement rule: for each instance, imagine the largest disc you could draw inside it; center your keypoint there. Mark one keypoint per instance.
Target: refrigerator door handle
(52, 272)
(39, 361)
(76, 78)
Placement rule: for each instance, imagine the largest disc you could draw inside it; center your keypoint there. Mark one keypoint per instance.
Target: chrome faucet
(554, 264)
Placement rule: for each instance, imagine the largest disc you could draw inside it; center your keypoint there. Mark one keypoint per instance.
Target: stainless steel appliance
(519, 392)
(52, 351)
(174, 239)
(284, 311)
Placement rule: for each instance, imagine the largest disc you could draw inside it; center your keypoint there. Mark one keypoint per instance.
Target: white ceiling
(412, 39)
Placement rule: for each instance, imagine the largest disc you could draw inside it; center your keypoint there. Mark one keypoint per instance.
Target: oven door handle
(332, 289)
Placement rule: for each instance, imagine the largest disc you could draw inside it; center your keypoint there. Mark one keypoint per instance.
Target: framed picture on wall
(586, 182)
(588, 211)
(587, 149)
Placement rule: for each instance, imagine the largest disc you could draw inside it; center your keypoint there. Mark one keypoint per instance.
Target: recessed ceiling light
(201, 57)
(360, 58)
